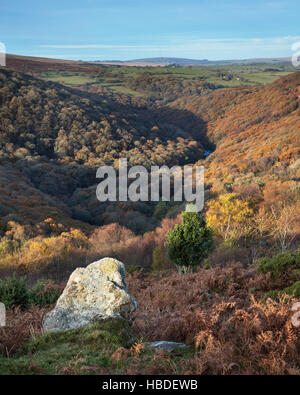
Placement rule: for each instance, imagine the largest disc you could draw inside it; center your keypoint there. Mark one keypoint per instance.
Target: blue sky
(129, 29)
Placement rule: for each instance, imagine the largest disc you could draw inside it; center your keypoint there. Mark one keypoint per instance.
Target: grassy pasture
(113, 78)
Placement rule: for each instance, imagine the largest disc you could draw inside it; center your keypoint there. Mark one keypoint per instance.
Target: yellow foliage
(41, 251)
(229, 216)
(76, 236)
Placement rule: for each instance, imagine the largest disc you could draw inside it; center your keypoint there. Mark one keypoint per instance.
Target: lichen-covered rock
(98, 291)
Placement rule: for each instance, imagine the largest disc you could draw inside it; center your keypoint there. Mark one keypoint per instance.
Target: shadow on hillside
(69, 183)
(186, 120)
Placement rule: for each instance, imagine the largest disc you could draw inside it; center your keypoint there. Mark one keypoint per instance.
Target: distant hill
(29, 64)
(177, 61)
(157, 62)
(35, 65)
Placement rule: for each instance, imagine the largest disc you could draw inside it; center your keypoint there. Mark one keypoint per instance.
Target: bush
(189, 243)
(271, 294)
(14, 292)
(293, 290)
(279, 264)
(43, 293)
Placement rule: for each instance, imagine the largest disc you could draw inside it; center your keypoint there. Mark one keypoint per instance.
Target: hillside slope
(255, 130)
(53, 138)
(41, 118)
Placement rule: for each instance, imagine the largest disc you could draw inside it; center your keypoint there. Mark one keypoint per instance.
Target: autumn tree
(282, 206)
(285, 226)
(229, 217)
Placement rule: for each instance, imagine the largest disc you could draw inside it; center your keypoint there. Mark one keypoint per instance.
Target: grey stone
(98, 291)
(165, 345)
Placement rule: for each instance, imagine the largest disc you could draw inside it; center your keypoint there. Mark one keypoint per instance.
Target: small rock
(98, 291)
(165, 345)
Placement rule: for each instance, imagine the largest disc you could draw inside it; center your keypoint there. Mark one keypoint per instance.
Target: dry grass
(21, 325)
(219, 312)
(233, 331)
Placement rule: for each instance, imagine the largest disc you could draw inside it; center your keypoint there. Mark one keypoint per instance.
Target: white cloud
(199, 48)
(181, 43)
(90, 46)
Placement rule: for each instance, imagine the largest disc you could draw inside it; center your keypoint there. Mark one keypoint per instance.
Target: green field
(74, 79)
(67, 78)
(115, 78)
